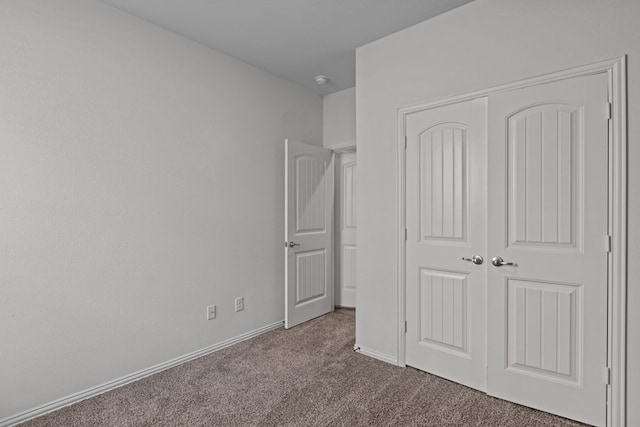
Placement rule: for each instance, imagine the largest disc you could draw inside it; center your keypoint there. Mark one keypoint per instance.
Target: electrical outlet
(239, 304)
(211, 312)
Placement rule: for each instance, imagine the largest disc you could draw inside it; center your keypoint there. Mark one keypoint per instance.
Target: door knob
(292, 244)
(477, 259)
(499, 262)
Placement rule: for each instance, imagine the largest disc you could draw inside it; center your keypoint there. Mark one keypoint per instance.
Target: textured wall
(141, 179)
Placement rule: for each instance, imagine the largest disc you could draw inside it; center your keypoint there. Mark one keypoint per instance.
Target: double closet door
(506, 251)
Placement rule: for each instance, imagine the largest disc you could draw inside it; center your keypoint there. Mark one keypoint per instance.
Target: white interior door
(345, 271)
(445, 219)
(309, 181)
(548, 205)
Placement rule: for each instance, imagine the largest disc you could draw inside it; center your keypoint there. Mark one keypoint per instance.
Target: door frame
(617, 260)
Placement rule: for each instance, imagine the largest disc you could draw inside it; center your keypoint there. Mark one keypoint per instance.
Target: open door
(309, 179)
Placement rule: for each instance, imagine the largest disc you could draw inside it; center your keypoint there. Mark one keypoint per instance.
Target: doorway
(345, 230)
(320, 231)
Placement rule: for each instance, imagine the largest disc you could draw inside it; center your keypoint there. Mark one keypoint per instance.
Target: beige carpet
(306, 376)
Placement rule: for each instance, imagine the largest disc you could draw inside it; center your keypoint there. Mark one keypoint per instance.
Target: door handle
(499, 262)
(292, 244)
(477, 259)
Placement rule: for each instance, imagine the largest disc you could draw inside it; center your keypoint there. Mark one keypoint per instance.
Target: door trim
(617, 263)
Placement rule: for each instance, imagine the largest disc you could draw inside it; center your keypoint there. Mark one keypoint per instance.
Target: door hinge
(607, 243)
(405, 142)
(405, 234)
(405, 326)
(607, 375)
(608, 111)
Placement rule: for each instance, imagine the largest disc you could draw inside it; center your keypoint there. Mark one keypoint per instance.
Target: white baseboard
(94, 391)
(376, 355)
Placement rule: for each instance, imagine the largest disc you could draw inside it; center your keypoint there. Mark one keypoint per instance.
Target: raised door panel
(544, 147)
(348, 267)
(443, 311)
(349, 195)
(310, 195)
(311, 280)
(442, 152)
(544, 330)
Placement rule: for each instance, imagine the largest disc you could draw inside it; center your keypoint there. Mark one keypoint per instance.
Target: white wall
(141, 179)
(339, 118)
(482, 44)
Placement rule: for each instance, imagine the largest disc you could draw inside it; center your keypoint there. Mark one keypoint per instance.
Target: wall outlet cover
(211, 312)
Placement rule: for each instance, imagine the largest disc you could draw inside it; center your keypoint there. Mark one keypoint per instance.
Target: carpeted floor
(306, 376)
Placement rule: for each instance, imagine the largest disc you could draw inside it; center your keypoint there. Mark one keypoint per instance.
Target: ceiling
(293, 39)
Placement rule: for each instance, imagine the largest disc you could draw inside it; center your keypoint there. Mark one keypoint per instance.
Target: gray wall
(480, 45)
(339, 119)
(141, 179)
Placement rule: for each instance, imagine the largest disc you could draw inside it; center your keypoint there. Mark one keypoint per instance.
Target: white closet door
(548, 175)
(345, 272)
(309, 179)
(445, 217)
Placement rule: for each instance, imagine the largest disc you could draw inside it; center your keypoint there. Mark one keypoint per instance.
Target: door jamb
(617, 263)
